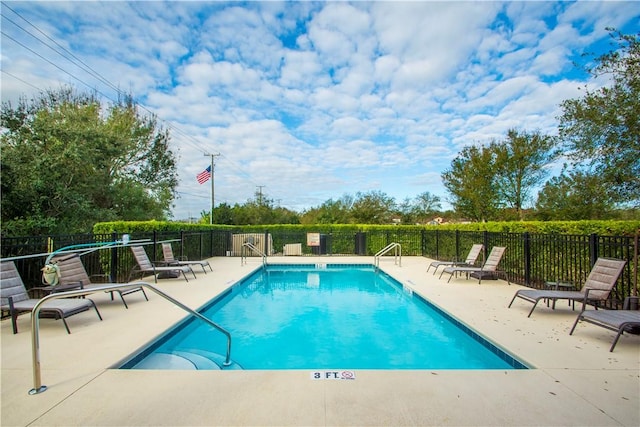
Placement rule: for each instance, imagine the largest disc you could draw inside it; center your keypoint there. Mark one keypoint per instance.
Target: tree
(260, 210)
(422, 208)
(407, 211)
(520, 165)
(573, 196)
(471, 181)
(374, 207)
(602, 129)
(67, 163)
(426, 205)
(331, 212)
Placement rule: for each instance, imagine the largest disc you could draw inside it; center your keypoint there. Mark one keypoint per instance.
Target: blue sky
(313, 100)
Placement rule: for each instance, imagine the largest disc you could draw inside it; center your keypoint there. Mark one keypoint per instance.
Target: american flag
(204, 176)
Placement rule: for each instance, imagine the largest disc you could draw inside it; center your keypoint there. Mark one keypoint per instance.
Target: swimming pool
(333, 316)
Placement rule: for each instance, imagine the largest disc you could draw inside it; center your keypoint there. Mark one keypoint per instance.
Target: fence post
(113, 273)
(526, 238)
(457, 257)
(437, 244)
(182, 245)
(266, 243)
(593, 248)
(155, 242)
(422, 241)
(634, 291)
(485, 242)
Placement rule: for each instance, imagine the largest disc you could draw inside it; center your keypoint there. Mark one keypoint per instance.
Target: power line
(23, 81)
(189, 140)
(50, 62)
(84, 67)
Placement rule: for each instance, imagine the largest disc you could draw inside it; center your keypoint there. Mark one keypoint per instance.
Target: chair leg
(575, 324)
(65, 325)
(14, 315)
(533, 308)
(123, 301)
(615, 341)
(513, 299)
(14, 322)
(95, 307)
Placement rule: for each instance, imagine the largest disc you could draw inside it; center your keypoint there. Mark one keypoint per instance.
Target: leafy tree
(407, 211)
(426, 205)
(520, 165)
(331, 212)
(602, 129)
(472, 182)
(422, 208)
(67, 163)
(260, 210)
(223, 214)
(373, 207)
(575, 195)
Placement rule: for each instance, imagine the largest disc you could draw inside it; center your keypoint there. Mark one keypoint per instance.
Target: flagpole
(213, 156)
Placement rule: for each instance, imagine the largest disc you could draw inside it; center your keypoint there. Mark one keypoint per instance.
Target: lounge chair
(490, 266)
(15, 299)
(71, 270)
(144, 265)
(619, 321)
(169, 259)
(470, 261)
(597, 287)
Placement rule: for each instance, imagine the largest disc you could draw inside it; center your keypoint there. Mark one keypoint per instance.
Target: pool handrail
(38, 387)
(389, 247)
(251, 246)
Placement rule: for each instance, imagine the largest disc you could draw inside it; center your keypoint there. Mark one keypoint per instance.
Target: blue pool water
(332, 317)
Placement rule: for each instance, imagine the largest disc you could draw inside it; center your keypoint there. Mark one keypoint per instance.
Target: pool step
(216, 358)
(186, 360)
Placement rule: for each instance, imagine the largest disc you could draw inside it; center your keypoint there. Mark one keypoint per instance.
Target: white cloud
(315, 100)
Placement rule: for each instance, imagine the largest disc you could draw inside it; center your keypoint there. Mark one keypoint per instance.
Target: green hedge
(603, 228)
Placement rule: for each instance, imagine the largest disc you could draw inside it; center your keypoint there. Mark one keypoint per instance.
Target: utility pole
(260, 187)
(213, 156)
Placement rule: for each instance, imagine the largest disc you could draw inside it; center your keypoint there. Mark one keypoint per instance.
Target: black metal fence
(531, 259)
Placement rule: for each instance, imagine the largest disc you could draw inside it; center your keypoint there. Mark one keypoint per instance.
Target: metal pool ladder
(252, 247)
(397, 254)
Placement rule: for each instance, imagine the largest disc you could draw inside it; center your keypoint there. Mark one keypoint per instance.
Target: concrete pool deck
(575, 380)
